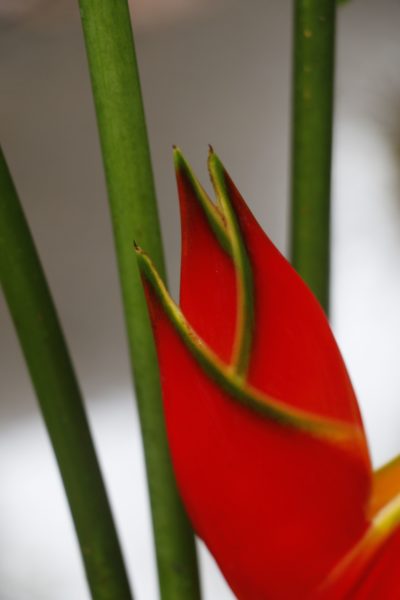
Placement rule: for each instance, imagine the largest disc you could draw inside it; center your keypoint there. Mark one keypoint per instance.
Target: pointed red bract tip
(209, 306)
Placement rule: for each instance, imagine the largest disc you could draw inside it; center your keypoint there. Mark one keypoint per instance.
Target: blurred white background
(212, 72)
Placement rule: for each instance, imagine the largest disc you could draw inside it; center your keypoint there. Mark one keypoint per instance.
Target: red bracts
(264, 429)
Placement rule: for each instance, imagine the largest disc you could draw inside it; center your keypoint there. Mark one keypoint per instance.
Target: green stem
(121, 121)
(314, 45)
(50, 367)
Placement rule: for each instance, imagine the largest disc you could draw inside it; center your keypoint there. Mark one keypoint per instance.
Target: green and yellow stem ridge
(313, 79)
(125, 148)
(245, 298)
(213, 213)
(51, 371)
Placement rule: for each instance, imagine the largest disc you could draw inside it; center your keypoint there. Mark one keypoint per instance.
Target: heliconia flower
(265, 433)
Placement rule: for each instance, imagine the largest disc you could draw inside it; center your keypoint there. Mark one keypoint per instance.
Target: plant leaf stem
(125, 148)
(313, 78)
(52, 374)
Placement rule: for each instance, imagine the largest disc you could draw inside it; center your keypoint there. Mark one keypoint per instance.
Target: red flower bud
(264, 429)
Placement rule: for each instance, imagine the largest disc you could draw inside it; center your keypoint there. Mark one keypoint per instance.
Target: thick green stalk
(313, 55)
(121, 121)
(60, 400)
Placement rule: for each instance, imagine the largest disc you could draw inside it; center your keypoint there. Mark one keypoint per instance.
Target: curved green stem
(125, 148)
(50, 367)
(313, 54)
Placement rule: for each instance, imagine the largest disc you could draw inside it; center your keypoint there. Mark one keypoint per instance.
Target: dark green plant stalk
(121, 121)
(313, 60)
(50, 367)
